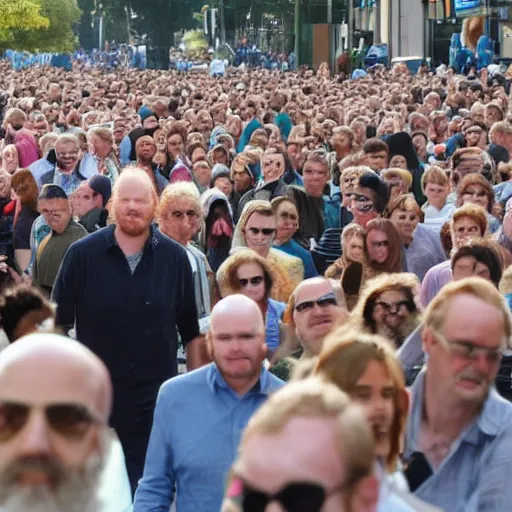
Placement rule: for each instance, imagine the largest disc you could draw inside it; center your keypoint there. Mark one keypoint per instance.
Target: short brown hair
(435, 175)
(476, 178)
(375, 145)
(473, 211)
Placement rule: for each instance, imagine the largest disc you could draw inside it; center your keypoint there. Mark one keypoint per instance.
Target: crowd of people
(252, 292)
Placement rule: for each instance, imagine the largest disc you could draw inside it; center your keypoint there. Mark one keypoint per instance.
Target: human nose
(35, 436)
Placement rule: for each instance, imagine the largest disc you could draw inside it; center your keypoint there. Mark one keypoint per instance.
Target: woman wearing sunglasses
(256, 229)
(365, 367)
(249, 274)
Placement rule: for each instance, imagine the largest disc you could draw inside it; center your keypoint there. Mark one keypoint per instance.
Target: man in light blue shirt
(199, 417)
(459, 433)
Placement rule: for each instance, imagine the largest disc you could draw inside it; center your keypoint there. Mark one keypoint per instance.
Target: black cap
(50, 191)
(101, 185)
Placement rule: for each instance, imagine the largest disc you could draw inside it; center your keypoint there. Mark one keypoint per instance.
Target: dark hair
(17, 302)
(373, 181)
(374, 146)
(50, 191)
(485, 252)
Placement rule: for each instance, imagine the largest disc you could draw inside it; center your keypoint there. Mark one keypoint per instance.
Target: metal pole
(376, 30)
(100, 32)
(222, 24)
(350, 26)
(298, 32)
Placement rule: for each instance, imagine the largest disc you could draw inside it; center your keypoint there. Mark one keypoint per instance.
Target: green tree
(19, 15)
(58, 36)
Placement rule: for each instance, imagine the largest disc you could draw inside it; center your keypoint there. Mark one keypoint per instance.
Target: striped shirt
(475, 475)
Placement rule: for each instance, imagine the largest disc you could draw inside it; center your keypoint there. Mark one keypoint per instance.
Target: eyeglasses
(294, 497)
(469, 351)
(191, 214)
(288, 216)
(395, 308)
(378, 245)
(72, 154)
(265, 231)
(322, 302)
(254, 281)
(474, 194)
(53, 213)
(71, 421)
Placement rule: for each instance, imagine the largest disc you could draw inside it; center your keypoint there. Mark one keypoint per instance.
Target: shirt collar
(151, 242)
(488, 422)
(216, 381)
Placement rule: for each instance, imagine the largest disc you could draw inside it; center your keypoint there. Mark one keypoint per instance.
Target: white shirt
(434, 218)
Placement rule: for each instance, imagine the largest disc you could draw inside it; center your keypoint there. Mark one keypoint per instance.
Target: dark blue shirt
(128, 320)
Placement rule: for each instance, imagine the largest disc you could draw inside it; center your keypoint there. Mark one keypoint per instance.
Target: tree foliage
(57, 36)
(19, 15)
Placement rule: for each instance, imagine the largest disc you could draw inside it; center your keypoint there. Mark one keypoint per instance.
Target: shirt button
(148, 303)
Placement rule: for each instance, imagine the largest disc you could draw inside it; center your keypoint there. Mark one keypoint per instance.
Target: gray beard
(77, 493)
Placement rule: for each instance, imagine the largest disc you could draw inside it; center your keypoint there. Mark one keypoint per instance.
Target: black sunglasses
(322, 302)
(265, 231)
(71, 421)
(255, 281)
(294, 497)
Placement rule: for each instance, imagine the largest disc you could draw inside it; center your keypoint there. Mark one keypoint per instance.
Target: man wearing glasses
(458, 444)
(56, 450)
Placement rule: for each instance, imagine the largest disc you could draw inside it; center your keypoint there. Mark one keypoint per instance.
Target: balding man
(200, 416)
(145, 149)
(55, 399)
(313, 311)
(126, 288)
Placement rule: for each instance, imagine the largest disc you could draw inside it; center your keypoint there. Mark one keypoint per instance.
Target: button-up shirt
(194, 441)
(129, 320)
(475, 475)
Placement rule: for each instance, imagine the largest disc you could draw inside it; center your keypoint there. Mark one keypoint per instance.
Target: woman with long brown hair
(382, 253)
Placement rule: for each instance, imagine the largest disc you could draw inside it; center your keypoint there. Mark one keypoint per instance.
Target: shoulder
(271, 382)
(165, 244)
(196, 379)
(47, 177)
(77, 229)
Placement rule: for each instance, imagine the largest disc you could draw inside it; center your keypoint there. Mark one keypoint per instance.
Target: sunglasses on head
(71, 421)
(322, 302)
(254, 281)
(265, 231)
(294, 497)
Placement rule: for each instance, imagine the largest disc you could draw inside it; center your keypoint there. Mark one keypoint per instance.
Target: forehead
(53, 203)
(258, 220)
(392, 295)
(376, 235)
(244, 320)
(473, 319)
(287, 206)
(311, 291)
(465, 221)
(305, 449)
(133, 186)
(271, 158)
(66, 145)
(44, 381)
(317, 166)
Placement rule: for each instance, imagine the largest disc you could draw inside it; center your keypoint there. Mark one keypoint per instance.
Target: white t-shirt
(434, 218)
